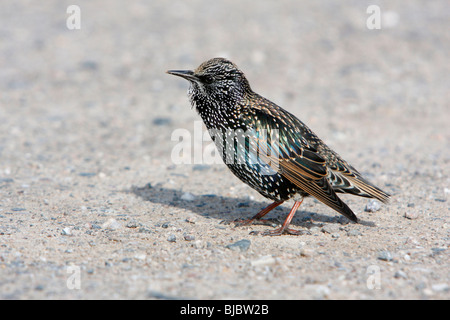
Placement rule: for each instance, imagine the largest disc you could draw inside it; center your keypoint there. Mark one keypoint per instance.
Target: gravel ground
(93, 205)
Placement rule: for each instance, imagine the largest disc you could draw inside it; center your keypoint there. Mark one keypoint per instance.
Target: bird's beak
(187, 74)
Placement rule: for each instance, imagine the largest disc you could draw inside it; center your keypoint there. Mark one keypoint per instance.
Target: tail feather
(371, 189)
(357, 185)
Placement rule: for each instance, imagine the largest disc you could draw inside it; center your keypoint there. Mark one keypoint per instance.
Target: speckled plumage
(269, 148)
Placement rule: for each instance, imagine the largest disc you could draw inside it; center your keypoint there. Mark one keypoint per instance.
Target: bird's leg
(284, 228)
(260, 214)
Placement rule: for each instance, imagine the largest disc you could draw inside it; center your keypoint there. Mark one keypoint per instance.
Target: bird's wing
(281, 145)
(341, 175)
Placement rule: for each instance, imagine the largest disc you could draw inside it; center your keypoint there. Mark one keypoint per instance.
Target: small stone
(314, 229)
(162, 121)
(191, 220)
(263, 261)
(412, 215)
(187, 196)
(440, 287)
(111, 224)
(39, 287)
(189, 237)
(172, 238)
(199, 244)
(436, 251)
(306, 252)
(400, 274)
(241, 245)
(66, 231)
(144, 230)
(87, 174)
(243, 204)
(89, 65)
(385, 256)
(329, 229)
(165, 225)
(201, 167)
(317, 291)
(372, 206)
(354, 233)
(133, 224)
(141, 256)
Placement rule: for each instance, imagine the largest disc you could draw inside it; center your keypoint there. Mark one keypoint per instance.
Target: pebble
(66, 231)
(201, 167)
(440, 287)
(87, 174)
(243, 204)
(187, 196)
(112, 224)
(199, 244)
(331, 229)
(412, 215)
(436, 251)
(263, 261)
(400, 274)
(314, 229)
(89, 65)
(191, 220)
(39, 287)
(189, 237)
(241, 245)
(172, 238)
(133, 224)
(317, 291)
(162, 121)
(165, 225)
(306, 252)
(141, 256)
(385, 256)
(372, 206)
(354, 233)
(144, 230)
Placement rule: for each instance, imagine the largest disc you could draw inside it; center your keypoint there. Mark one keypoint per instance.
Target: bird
(269, 148)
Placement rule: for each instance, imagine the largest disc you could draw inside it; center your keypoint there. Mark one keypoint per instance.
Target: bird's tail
(354, 183)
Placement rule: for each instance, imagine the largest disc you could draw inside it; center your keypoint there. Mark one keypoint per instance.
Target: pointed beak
(186, 74)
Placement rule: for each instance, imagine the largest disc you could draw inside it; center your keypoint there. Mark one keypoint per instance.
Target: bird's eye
(208, 79)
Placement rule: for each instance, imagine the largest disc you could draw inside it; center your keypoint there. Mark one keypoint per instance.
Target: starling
(269, 148)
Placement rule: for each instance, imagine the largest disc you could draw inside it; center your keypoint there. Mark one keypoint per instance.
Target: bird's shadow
(226, 209)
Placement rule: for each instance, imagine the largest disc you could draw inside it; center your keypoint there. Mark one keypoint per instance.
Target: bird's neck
(216, 113)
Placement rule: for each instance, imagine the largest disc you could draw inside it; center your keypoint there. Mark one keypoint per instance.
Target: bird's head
(216, 80)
